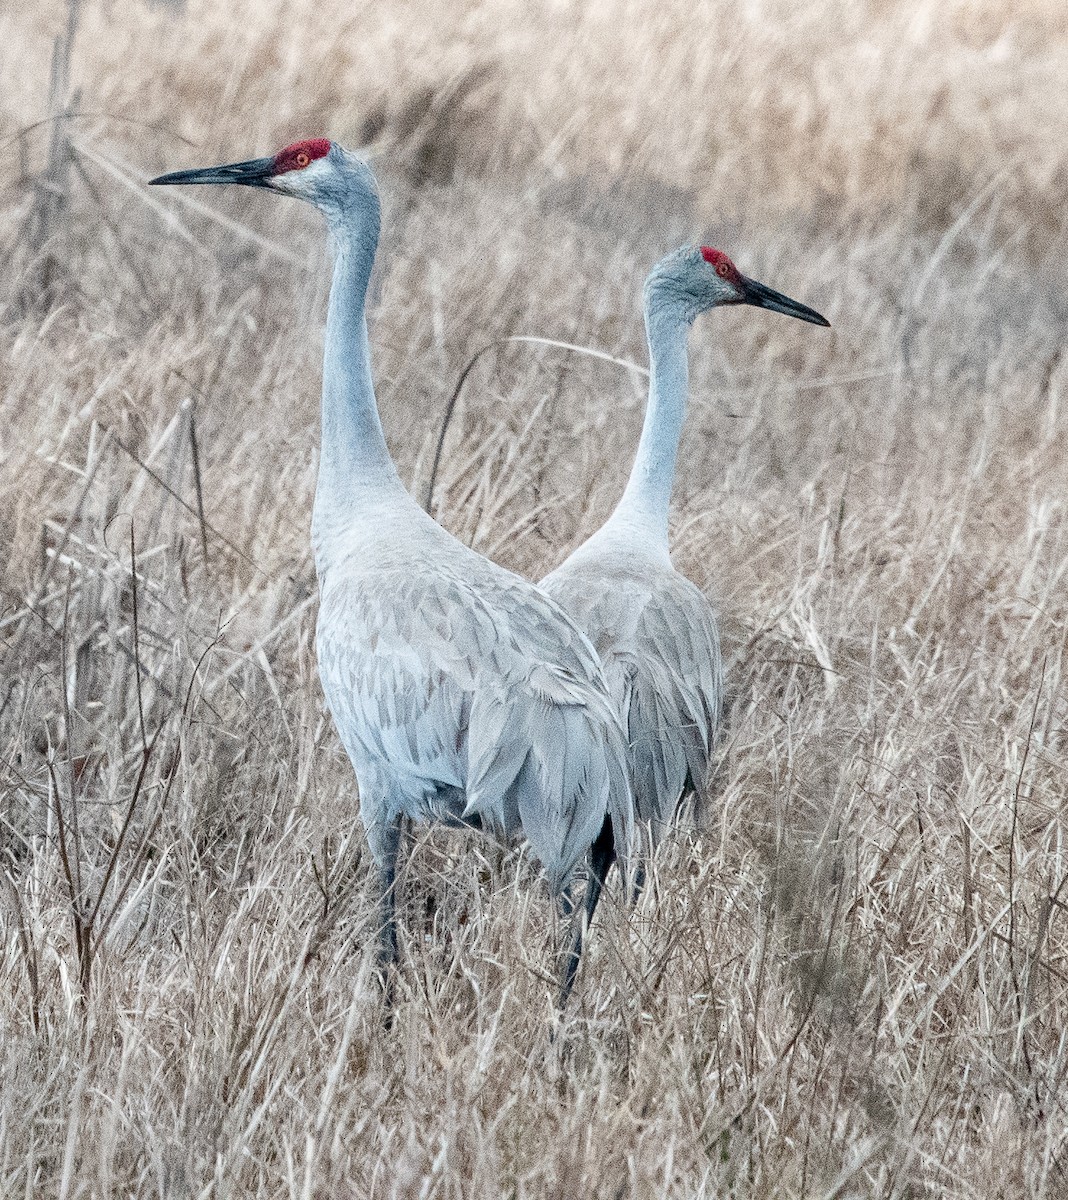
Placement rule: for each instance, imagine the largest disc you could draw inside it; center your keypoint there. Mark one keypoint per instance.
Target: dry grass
(850, 977)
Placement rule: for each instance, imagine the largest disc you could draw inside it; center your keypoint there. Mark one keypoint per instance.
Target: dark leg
(602, 856)
(388, 951)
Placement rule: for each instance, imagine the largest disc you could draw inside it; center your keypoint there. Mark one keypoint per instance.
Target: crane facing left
(461, 693)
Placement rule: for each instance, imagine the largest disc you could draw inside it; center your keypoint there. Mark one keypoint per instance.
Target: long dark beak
(765, 297)
(255, 173)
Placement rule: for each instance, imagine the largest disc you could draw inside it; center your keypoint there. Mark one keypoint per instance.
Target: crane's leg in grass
(388, 950)
(602, 856)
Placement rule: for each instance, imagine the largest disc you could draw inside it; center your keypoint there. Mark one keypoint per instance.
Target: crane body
(654, 630)
(460, 691)
(656, 634)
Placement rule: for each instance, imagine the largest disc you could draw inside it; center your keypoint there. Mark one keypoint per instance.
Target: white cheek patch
(315, 169)
(301, 180)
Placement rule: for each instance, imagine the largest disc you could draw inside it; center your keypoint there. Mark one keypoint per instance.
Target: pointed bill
(764, 297)
(257, 172)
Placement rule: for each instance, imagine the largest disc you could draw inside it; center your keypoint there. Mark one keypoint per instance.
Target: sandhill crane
(461, 692)
(654, 630)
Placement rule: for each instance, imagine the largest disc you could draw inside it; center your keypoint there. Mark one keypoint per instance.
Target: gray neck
(355, 468)
(647, 497)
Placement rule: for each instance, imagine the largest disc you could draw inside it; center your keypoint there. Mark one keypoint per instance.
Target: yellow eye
(723, 270)
(302, 159)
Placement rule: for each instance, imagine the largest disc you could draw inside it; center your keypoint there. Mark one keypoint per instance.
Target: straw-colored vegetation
(849, 976)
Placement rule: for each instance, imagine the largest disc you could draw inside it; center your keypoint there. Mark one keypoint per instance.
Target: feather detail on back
(465, 692)
(656, 635)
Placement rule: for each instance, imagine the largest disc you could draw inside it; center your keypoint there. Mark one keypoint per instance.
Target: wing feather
(656, 635)
(478, 684)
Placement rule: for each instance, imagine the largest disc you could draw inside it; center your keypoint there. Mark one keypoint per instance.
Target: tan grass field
(849, 977)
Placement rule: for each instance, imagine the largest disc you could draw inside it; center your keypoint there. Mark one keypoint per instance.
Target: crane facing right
(653, 629)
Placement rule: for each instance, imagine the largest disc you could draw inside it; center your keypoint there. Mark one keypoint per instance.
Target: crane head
(748, 291)
(310, 170)
(700, 278)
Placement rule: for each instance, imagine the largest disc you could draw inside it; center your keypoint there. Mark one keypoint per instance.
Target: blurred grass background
(848, 976)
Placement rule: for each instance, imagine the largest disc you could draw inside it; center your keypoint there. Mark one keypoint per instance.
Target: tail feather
(558, 769)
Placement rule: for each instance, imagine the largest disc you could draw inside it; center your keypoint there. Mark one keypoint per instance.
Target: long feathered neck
(646, 500)
(355, 468)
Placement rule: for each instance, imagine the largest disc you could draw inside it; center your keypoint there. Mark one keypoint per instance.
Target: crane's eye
(723, 270)
(302, 159)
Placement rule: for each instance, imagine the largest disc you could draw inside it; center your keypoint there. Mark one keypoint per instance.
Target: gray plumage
(656, 634)
(461, 692)
(654, 631)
